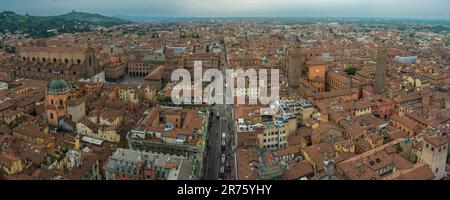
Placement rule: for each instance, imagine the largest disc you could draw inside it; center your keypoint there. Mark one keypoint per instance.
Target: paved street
(213, 161)
(214, 152)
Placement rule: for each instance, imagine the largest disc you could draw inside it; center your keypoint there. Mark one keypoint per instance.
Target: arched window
(66, 60)
(24, 58)
(78, 61)
(54, 60)
(60, 102)
(43, 59)
(51, 115)
(34, 59)
(90, 61)
(52, 102)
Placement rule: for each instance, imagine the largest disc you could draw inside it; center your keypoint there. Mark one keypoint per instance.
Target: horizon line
(311, 17)
(333, 17)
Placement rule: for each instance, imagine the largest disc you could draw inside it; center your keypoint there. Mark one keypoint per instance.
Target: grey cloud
(314, 8)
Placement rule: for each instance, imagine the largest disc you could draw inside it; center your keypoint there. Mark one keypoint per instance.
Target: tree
(10, 49)
(351, 70)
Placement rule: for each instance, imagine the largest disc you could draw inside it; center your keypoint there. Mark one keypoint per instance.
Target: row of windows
(271, 146)
(60, 102)
(59, 60)
(439, 150)
(49, 70)
(54, 60)
(142, 65)
(337, 85)
(275, 139)
(134, 69)
(274, 133)
(138, 73)
(275, 146)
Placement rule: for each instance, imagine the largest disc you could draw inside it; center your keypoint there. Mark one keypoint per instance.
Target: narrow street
(221, 124)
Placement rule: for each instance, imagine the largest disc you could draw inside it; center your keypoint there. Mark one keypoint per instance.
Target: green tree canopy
(351, 70)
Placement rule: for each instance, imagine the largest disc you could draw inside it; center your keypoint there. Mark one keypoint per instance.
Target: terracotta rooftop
(248, 162)
(156, 74)
(420, 171)
(7, 160)
(32, 130)
(298, 170)
(436, 139)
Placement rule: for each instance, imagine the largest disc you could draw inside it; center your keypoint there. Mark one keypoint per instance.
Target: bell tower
(295, 67)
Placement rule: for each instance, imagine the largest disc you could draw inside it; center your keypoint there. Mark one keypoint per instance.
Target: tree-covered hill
(44, 26)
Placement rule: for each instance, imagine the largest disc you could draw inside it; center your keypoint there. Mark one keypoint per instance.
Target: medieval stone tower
(380, 73)
(295, 67)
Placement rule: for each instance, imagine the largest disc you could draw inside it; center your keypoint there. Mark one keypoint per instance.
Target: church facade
(46, 63)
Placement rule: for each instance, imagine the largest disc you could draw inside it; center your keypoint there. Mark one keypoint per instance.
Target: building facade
(45, 63)
(58, 93)
(434, 153)
(143, 66)
(127, 164)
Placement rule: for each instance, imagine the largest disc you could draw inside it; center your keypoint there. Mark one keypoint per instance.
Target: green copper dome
(58, 86)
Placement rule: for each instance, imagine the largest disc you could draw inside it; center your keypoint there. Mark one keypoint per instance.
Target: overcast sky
(241, 8)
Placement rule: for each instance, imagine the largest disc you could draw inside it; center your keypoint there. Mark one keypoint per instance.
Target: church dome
(58, 86)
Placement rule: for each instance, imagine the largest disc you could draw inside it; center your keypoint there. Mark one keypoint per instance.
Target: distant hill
(44, 26)
(136, 18)
(92, 18)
